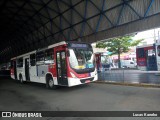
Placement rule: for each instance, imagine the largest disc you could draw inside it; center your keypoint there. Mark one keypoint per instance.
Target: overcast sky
(148, 35)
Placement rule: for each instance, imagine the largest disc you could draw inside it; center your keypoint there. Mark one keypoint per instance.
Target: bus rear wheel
(50, 83)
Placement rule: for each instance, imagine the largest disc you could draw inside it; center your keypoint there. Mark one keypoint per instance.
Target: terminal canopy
(26, 25)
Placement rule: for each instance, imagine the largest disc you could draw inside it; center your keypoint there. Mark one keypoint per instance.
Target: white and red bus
(63, 64)
(148, 57)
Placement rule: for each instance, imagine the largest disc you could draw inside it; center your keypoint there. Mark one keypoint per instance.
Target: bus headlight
(73, 75)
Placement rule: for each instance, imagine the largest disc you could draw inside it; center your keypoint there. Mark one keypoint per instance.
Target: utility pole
(154, 36)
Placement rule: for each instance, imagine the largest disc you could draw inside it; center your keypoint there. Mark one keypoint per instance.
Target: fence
(130, 76)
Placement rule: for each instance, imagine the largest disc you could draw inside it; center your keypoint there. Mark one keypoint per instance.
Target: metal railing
(130, 76)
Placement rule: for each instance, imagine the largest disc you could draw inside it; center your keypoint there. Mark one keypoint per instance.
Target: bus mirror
(68, 54)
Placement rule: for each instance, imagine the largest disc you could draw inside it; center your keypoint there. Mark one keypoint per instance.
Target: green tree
(119, 45)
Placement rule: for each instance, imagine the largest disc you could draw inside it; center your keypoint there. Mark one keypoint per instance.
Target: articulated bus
(61, 64)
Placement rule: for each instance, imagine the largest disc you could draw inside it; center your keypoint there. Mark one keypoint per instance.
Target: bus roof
(57, 44)
(144, 46)
(50, 46)
(24, 55)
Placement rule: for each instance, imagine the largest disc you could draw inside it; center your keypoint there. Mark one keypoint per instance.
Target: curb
(129, 84)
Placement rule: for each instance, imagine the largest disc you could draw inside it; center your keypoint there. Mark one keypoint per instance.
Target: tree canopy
(118, 45)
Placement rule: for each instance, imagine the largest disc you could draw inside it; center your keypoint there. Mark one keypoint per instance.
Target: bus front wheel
(50, 83)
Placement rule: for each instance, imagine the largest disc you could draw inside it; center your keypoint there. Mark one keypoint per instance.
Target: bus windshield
(81, 58)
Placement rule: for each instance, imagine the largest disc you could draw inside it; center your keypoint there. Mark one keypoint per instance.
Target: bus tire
(50, 83)
(21, 79)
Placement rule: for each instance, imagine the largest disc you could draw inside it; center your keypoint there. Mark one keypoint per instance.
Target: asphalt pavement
(89, 97)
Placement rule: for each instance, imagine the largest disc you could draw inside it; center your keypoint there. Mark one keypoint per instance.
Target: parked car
(128, 64)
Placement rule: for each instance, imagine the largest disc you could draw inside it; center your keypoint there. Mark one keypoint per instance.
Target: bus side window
(40, 57)
(20, 62)
(32, 59)
(141, 53)
(49, 56)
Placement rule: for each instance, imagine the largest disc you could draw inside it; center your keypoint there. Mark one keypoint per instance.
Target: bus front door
(27, 69)
(61, 68)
